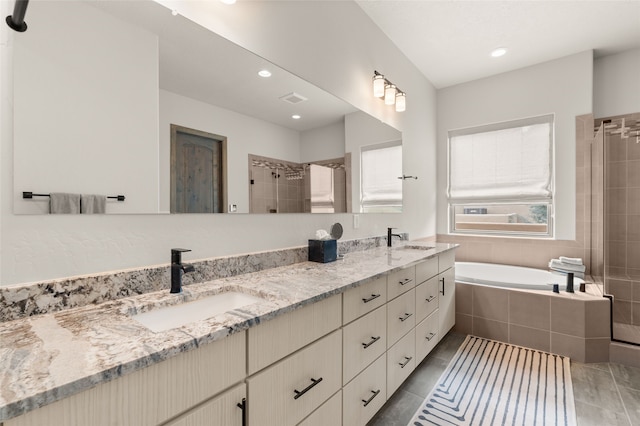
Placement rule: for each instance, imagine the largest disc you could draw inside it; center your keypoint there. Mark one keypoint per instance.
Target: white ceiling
(450, 41)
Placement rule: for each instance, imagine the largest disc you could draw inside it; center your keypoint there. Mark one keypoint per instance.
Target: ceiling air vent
(293, 98)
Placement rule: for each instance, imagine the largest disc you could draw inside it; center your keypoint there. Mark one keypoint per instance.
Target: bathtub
(510, 276)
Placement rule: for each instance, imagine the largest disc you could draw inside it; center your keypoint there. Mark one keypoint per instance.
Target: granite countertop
(48, 357)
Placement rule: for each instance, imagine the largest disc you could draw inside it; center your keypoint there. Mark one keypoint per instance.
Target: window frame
(488, 202)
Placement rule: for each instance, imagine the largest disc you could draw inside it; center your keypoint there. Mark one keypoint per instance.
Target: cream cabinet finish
(365, 298)
(328, 414)
(364, 340)
(291, 389)
(401, 361)
(151, 395)
(277, 338)
(427, 269)
(364, 396)
(401, 316)
(426, 336)
(446, 301)
(221, 410)
(446, 260)
(400, 281)
(426, 298)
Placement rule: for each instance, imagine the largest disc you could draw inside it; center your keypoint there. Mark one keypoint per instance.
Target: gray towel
(62, 203)
(93, 204)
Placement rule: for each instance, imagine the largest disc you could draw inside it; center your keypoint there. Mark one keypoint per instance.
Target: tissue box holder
(323, 251)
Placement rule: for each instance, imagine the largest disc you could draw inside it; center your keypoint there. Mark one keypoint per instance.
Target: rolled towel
(568, 267)
(63, 203)
(93, 204)
(571, 260)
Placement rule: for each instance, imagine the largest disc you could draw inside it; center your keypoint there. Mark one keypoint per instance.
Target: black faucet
(390, 235)
(176, 269)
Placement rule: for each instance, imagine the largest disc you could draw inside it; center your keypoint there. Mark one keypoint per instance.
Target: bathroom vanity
(327, 345)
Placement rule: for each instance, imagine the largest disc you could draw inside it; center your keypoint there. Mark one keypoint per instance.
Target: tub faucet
(177, 267)
(390, 236)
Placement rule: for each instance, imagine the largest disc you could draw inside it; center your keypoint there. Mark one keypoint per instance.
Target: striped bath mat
(495, 383)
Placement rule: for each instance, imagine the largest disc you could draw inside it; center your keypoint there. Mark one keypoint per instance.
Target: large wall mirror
(131, 100)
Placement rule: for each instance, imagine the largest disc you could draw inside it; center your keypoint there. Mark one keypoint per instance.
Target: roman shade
(381, 168)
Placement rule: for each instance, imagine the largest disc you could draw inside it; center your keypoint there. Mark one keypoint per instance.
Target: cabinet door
(365, 298)
(446, 301)
(273, 340)
(426, 298)
(400, 316)
(426, 336)
(328, 414)
(400, 281)
(401, 361)
(365, 395)
(446, 260)
(363, 340)
(221, 410)
(290, 390)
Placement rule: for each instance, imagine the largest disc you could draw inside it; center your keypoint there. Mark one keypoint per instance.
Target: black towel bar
(26, 194)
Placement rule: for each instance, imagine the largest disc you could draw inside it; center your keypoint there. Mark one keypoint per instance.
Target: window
(321, 189)
(500, 178)
(381, 166)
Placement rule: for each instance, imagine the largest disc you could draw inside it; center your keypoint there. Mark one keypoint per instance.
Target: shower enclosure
(616, 171)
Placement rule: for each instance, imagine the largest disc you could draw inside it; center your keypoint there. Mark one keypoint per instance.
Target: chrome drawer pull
(405, 281)
(430, 336)
(373, 340)
(375, 393)
(308, 388)
(430, 298)
(404, 364)
(406, 317)
(373, 297)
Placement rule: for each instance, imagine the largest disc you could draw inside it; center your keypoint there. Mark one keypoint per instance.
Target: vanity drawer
(426, 336)
(401, 361)
(365, 298)
(426, 298)
(446, 260)
(273, 340)
(328, 414)
(365, 395)
(400, 281)
(290, 390)
(363, 341)
(400, 316)
(222, 410)
(427, 269)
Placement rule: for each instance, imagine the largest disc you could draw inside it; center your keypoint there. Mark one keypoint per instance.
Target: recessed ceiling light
(264, 73)
(174, 12)
(500, 51)
(296, 117)
(228, 1)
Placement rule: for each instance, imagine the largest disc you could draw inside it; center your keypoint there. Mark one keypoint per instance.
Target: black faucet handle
(176, 254)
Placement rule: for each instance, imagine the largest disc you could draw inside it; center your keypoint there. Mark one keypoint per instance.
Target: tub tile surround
(23, 300)
(574, 325)
(37, 350)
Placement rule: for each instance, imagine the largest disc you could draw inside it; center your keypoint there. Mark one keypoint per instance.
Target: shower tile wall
(290, 193)
(536, 253)
(622, 259)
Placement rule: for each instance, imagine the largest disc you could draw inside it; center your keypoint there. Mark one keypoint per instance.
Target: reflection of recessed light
(500, 51)
(264, 73)
(228, 1)
(296, 117)
(174, 12)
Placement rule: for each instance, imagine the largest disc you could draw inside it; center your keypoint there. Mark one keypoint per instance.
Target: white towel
(568, 267)
(63, 203)
(93, 204)
(571, 260)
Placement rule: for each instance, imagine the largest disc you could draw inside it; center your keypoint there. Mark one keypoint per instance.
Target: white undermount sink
(168, 317)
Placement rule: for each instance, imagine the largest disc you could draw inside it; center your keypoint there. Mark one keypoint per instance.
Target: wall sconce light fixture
(383, 88)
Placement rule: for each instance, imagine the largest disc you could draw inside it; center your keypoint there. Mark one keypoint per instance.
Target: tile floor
(605, 394)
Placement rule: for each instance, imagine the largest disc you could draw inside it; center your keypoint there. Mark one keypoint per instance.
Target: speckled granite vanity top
(48, 357)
